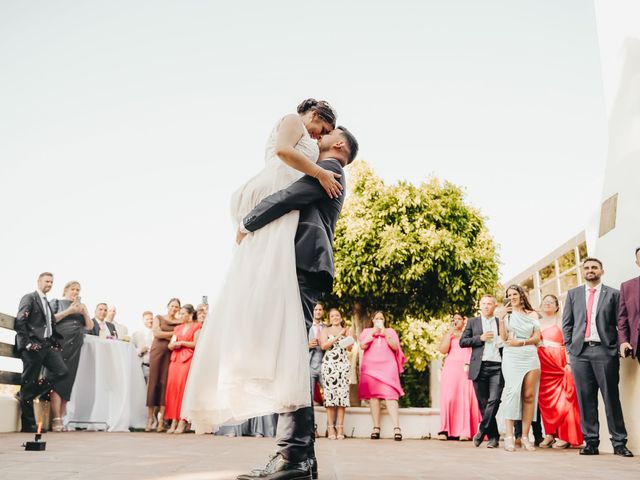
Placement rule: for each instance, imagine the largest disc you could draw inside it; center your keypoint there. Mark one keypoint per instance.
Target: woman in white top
(247, 361)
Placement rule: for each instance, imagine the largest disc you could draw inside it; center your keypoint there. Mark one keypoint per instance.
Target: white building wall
(618, 28)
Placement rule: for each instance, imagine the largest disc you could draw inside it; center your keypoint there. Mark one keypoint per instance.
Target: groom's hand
(239, 236)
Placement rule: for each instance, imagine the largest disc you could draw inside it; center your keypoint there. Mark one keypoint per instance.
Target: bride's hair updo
(322, 108)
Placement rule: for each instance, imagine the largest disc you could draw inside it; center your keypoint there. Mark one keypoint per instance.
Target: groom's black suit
(314, 264)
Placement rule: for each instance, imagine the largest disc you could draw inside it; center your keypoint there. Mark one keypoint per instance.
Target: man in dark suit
(100, 323)
(38, 344)
(589, 327)
(629, 315)
(485, 368)
(314, 263)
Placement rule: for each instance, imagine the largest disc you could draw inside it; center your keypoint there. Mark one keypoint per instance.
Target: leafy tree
(417, 252)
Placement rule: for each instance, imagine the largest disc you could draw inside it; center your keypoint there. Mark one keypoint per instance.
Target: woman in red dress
(557, 395)
(182, 345)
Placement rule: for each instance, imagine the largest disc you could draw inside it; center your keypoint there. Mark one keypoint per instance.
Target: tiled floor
(123, 456)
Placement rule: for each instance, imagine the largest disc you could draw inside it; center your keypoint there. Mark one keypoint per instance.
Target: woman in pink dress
(459, 412)
(182, 345)
(557, 395)
(382, 364)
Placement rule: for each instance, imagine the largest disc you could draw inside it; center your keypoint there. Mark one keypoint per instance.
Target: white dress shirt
(47, 313)
(491, 352)
(594, 337)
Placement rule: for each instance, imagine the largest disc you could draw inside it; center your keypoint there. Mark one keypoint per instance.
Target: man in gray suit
(589, 324)
(315, 350)
(314, 264)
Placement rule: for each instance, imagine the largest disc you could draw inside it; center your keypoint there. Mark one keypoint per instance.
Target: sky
(126, 126)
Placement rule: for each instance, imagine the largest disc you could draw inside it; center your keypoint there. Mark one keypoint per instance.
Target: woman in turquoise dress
(520, 332)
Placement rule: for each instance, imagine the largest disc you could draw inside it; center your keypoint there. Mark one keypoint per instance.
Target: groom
(314, 263)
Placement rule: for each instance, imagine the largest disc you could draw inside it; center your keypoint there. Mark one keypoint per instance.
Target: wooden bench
(9, 407)
(8, 350)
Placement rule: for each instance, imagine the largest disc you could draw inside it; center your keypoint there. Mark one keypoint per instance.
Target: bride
(247, 362)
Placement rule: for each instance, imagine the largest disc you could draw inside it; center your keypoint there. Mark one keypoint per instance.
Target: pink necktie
(318, 332)
(592, 296)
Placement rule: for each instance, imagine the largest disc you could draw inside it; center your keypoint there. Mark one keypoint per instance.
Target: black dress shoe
(313, 464)
(589, 450)
(278, 468)
(623, 451)
(493, 443)
(477, 439)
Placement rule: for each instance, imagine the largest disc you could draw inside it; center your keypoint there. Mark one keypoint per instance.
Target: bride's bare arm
(289, 134)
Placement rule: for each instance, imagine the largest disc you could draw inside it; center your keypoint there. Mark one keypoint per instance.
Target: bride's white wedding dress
(251, 358)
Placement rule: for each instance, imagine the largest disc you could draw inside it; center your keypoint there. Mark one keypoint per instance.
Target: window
(582, 251)
(547, 272)
(568, 281)
(549, 287)
(567, 261)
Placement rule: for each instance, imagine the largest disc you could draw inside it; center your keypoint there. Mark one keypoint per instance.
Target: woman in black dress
(72, 318)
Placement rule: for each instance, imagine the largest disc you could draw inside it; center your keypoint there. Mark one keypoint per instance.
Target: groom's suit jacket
(317, 223)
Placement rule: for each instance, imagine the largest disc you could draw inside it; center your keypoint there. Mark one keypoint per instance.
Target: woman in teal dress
(520, 332)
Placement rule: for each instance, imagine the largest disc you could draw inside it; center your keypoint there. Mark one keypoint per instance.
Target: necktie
(47, 314)
(318, 332)
(592, 296)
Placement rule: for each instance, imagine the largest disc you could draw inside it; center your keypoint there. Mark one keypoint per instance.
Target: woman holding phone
(72, 318)
(335, 340)
(520, 332)
(382, 364)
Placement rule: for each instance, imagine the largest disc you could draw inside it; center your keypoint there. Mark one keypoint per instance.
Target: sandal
(547, 442)
(149, 425)
(161, 426)
(333, 435)
(527, 445)
(509, 444)
(375, 435)
(56, 425)
(340, 432)
(397, 436)
(181, 428)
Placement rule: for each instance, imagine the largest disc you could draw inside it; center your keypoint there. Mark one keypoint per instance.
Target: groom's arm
(298, 195)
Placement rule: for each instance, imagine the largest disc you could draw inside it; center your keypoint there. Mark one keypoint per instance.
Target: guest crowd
(543, 367)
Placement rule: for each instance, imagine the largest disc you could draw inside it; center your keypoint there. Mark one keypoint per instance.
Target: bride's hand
(239, 236)
(329, 182)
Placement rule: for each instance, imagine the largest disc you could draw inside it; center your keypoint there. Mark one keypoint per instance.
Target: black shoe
(280, 469)
(589, 450)
(313, 464)
(477, 439)
(623, 451)
(493, 443)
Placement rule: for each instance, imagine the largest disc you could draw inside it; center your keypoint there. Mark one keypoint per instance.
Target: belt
(592, 344)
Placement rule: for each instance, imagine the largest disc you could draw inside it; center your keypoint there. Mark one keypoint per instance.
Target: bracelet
(318, 172)
(524, 343)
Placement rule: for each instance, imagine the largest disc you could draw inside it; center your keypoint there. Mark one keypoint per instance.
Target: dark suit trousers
(31, 384)
(488, 386)
(297, 428)
(594, 369)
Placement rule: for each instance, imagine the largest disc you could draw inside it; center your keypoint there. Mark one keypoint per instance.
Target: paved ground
(123, 456)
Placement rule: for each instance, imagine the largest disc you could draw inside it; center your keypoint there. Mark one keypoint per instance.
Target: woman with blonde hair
(72, 318)
(335, 372)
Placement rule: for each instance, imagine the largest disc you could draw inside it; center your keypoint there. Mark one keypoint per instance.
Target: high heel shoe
(509, 444)
(173, 426)
(331, 436)
(527, 445)
(375, 435)
(397, 436)
(547, 442)
(149, 425)
(340, 432)
(56, 425)
(182, 426)
(161, 427)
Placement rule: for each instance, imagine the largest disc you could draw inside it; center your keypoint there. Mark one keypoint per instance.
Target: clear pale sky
(125, 126)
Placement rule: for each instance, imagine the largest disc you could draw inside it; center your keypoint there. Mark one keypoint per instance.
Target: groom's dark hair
(352, 143)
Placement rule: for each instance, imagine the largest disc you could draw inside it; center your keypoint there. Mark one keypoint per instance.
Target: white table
(109, 391)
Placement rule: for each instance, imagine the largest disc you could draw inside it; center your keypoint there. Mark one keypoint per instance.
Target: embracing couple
(252, 357)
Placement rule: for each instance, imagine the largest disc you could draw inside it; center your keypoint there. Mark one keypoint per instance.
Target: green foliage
(416, 388)
(417, 252)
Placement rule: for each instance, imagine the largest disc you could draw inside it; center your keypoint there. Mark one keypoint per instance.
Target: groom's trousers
(297, 428)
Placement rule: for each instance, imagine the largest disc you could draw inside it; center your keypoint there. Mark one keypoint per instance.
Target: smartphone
(205, 300)
(507, 303)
